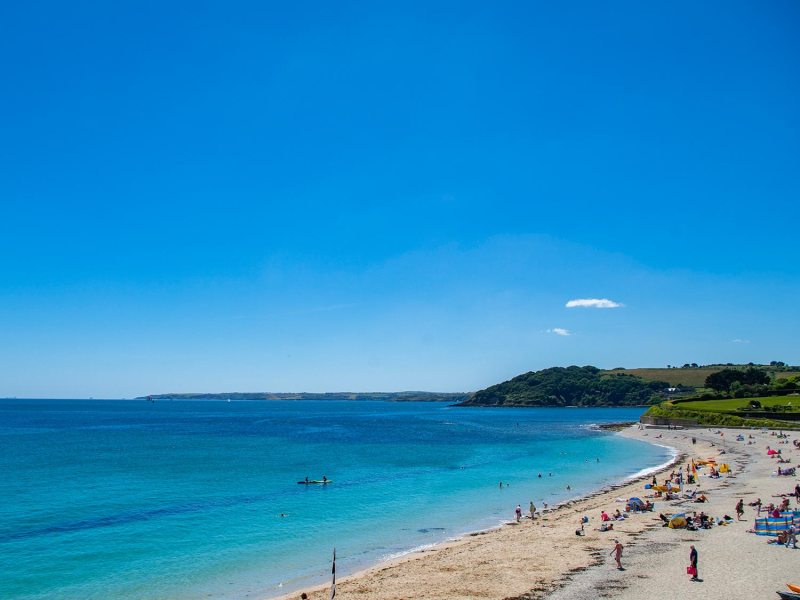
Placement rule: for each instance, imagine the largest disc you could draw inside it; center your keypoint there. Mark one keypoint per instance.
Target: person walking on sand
(693, 563)
(739, 509)
(533, 511)
(791, 537)
(617, 553)
(518, 511)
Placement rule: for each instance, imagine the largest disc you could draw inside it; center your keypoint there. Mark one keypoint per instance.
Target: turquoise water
(130, 499)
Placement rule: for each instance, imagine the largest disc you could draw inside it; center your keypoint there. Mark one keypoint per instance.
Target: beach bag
(690, 570)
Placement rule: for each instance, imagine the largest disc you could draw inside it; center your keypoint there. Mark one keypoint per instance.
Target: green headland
(716, 395)
(748, 395)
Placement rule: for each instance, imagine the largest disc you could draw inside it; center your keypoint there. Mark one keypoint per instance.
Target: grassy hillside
(731, 412)
(736, 404)
(717, 419)
(693, 377)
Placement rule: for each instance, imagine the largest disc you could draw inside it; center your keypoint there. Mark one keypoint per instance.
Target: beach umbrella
(677, 521)
(636, 504)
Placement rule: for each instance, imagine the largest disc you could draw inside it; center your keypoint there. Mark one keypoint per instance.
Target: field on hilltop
(675, 377)
(692, 376)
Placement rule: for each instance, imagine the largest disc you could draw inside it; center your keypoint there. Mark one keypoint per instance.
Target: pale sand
(545, 559)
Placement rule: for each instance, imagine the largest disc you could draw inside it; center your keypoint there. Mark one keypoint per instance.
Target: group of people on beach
(672, 488)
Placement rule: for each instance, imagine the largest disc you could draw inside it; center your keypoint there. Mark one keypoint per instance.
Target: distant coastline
(358, 396)
(571, 387)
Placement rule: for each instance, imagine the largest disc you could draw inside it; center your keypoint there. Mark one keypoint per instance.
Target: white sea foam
(664, 465)
(402, 553)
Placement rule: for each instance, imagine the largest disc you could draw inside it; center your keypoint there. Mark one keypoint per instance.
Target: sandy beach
(544, 558)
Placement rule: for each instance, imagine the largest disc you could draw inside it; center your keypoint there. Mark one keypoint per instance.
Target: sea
(200, 499)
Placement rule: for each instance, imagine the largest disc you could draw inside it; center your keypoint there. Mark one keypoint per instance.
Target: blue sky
(349, 196)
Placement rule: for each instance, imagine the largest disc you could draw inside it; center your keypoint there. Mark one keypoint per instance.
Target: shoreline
(406, 559)
(545, 560)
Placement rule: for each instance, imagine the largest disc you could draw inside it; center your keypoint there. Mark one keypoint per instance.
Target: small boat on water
(315, 481)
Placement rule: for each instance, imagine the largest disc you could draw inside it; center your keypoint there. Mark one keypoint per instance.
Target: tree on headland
(570, 386)
(724, 380)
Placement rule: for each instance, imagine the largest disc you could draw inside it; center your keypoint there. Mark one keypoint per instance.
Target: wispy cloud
(559, 331)
(593, 303)
(740, 341)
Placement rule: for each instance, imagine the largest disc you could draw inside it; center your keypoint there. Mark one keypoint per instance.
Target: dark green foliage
(787, 383)
(723, 380)
(570, 386)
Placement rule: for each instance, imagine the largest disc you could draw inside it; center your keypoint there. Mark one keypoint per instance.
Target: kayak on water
(327, 481)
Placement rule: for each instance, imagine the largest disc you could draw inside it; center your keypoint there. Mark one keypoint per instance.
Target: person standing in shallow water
(693, 562)
(617, 553)
(533, 511)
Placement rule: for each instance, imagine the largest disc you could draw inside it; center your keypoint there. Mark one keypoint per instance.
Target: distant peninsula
(384, 396)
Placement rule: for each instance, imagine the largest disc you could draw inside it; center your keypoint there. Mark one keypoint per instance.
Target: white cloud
(559, 331)
(740, 341)
(593, 303)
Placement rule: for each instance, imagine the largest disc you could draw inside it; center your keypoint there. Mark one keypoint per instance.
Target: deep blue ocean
(131, 499)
